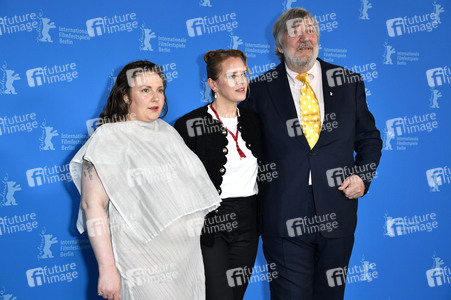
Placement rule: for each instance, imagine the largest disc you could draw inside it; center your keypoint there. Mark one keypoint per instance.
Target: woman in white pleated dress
(144, 195)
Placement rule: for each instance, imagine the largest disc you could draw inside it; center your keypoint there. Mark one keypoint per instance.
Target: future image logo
(327, 22)
(91, 125)
(336, 277)
(194, 226)
(366, 272)
(195, 26)
(395, 126)
(35, 177)
(35, 277)
(236, 277)
(310, 225)
(297, 26)
(399, 226)
(110, 25)
(18, 23)
(439, 274)
(437, 177)
(341, 76)
(205, 125)
(48, 175)
(336, 176)
(210, 25)
(352, 74)
(139, 176)
(50, 75)
(329, 123)
(51, 275)
(404, 130)
(35, 77)
(18, 223)
(414, 24)
(438, 76)
(395, 27)
(156, 274)
(95, 27)
(209, 225)
(267, 172)
(97, 227)
(435, 77)
(242, 275)
(294, 127)
(435, 277)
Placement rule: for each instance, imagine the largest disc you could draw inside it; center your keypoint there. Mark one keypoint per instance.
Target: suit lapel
(280, 94)
(328, 97)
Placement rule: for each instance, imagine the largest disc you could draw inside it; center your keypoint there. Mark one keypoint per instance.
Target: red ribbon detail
(234, 136)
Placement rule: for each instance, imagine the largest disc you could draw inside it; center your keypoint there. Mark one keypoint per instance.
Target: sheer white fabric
(159, 193)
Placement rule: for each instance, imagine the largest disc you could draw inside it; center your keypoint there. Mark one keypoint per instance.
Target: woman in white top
(227, 140)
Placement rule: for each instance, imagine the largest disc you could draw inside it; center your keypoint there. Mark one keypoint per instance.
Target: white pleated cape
(150, 175)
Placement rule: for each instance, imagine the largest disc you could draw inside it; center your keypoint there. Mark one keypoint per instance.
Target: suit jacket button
(222, 170)
(224, 132)
(312, 154)
(240, 127)
(249, 145)
(216, 211)
(224, 150)
(219, 191)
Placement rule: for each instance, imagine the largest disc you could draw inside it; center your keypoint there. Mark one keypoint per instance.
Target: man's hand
(353, 187)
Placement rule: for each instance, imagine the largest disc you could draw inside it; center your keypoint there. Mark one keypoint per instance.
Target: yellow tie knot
(303, 77)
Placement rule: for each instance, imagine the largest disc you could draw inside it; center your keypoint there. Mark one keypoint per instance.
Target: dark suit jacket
(207, 138)
(330, 161)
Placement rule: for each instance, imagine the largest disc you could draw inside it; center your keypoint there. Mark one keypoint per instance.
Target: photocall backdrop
(59, 61)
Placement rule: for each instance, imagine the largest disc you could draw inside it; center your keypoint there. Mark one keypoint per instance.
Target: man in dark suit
(314, 116)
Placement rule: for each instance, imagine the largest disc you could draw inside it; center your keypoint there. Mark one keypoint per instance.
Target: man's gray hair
(280, 26)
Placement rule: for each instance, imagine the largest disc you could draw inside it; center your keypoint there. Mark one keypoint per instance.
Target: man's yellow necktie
(310, 117)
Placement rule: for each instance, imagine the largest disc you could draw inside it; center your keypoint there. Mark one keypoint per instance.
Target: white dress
(159, 194)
